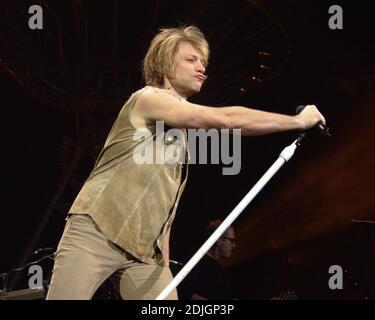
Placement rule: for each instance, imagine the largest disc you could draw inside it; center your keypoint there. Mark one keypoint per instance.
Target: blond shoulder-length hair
(160, 57)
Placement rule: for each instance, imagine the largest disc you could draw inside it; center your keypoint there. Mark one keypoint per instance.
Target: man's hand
(310, 116)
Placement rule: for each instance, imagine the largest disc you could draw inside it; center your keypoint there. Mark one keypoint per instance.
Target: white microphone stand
(284, 156)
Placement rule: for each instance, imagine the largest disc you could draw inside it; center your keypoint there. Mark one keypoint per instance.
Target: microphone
(320, 126)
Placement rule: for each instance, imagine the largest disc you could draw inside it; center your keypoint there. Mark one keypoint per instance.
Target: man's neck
(168, 86)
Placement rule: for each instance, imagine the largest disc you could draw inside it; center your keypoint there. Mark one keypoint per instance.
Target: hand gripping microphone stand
(284, 156)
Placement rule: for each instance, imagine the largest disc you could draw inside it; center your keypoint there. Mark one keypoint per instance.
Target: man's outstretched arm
(152, 106)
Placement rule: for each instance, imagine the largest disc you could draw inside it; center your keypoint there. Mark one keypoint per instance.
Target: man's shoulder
(150, 98)
(152, 91)
(140, 96)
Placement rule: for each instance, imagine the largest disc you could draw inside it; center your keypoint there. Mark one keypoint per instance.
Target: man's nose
(201, 68)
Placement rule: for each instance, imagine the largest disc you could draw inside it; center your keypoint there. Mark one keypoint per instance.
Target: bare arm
(254, 122)
(152, 106)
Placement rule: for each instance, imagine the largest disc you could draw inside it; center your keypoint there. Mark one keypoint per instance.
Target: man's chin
(195, 89)
(192, 89)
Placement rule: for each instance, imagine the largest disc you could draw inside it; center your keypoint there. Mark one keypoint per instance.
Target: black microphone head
(300, 108)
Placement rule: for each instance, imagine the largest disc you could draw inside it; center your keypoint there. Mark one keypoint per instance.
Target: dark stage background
(62, 87)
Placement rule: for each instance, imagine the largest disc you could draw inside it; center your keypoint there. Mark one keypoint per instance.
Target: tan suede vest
(134, 204)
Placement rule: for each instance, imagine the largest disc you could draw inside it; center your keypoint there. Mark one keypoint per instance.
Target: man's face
(228, 243)
(189, 70)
